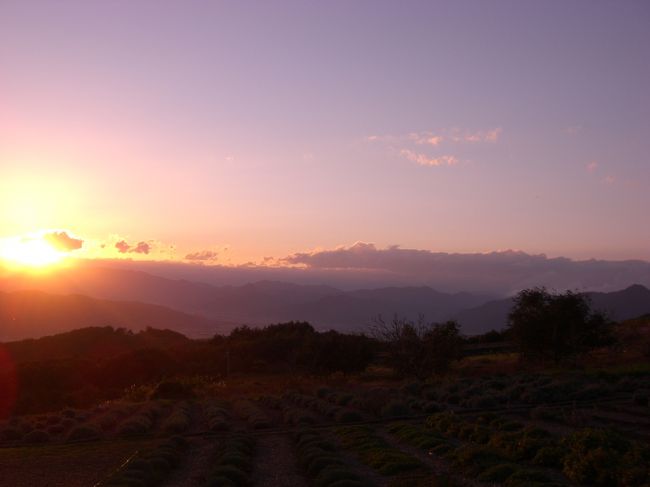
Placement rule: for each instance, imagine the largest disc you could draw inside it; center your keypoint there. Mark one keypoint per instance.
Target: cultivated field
(526, 429)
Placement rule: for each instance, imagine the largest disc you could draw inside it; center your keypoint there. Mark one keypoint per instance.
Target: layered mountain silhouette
(135, 299)
(29, 314)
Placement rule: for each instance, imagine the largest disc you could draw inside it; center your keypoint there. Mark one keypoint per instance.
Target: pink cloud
(424, 160)
(140, 248)
(122, 247)
(202, 255)
(592, 166)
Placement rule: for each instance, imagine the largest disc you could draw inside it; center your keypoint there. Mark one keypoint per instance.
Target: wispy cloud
(424, 160)
(490, 136)
(426, 147)
(591, 166)
(202, 256)
(436, 138)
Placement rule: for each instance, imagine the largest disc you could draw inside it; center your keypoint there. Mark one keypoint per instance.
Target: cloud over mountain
(503, 272)
(202, 255)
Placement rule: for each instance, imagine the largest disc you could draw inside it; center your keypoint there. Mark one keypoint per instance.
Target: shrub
(375, 452)
(543, 413)
(431, 407)
(84, 432)
(179, 420)
(348, 416)
(323, 392)
(475, 459)
(550, 456)
(172, 390)
(526, 478)
(640, 398)
(11, 434)
(498, 473)
(234, 474)
(334, 474)
(37, 436)
(150, 467)
(395, 409)
(595, 457)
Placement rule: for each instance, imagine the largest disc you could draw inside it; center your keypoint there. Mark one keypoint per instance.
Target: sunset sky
(234, 131)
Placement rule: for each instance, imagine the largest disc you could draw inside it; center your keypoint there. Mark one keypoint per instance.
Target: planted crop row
(498, 450)
(419, 437)
(382, 402)
(179, 420)
(498, 447)
(233, 462)
(218, 416)
(376, 452)
(255, 417)
(151, 467)
(527, 389)
(142, 422)
(336, 412)
(46, 427)
(290, 414)
(323, 463)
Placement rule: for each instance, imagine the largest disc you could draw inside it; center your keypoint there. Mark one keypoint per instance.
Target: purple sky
(253, 129)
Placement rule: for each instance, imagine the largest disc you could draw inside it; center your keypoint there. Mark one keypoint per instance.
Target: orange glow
(29, 252)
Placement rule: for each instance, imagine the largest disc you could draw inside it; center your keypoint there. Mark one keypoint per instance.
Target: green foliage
(604, 458)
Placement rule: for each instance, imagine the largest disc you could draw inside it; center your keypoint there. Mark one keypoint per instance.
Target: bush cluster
(179, 420)
(218, 416)
(233, 463)
(376, 452)
(255, 417)
(151, 467)
(321, 461)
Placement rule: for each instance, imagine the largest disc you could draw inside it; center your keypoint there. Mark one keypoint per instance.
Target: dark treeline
(82, 367)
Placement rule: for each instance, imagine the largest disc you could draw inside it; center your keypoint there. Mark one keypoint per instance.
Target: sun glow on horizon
(29, 252)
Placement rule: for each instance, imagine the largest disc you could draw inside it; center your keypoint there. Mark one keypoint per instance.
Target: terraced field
(524, 430)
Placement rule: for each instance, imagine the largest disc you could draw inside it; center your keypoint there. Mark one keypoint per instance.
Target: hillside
(27, 314)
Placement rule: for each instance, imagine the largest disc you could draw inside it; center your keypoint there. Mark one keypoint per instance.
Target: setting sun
(33, 252)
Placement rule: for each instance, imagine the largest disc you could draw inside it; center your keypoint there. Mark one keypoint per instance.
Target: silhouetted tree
(418, 349)
(553, 326)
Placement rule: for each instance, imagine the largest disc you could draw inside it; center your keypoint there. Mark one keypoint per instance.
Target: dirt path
(275, 464)
(196, 464)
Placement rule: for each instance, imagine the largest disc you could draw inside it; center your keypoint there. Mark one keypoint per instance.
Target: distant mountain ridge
(135, 299)
(30, 314)
(625, 304)
(257, 303)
